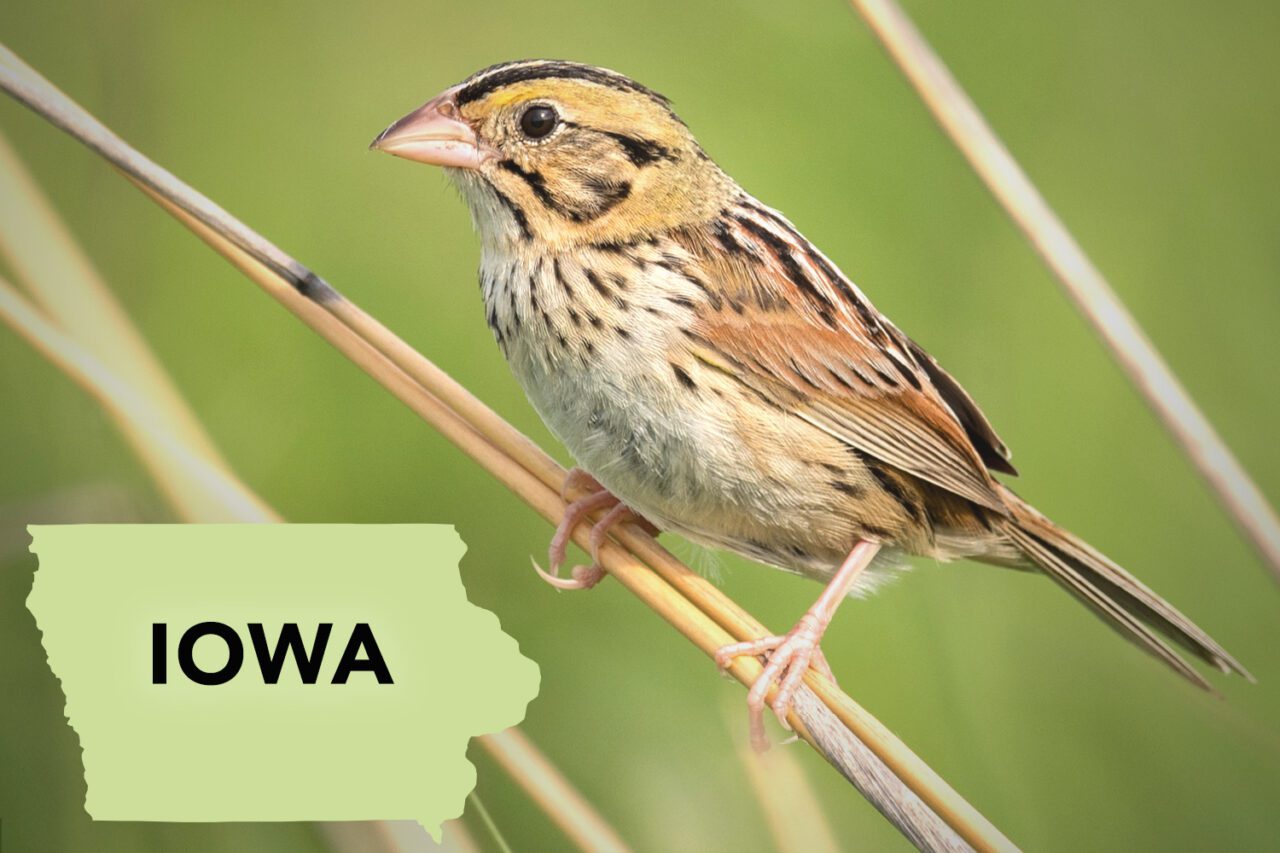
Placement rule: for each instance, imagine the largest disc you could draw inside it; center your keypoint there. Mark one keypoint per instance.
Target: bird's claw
(574, 513)
(579, 480)
(585, 577)
(787, 659)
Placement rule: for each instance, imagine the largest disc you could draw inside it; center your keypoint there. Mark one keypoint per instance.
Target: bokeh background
(1151, 126)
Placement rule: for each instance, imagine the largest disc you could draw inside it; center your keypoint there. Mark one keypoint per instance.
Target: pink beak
(434, 133)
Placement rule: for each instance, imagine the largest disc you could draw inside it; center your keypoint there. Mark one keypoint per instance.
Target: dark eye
(538, 121)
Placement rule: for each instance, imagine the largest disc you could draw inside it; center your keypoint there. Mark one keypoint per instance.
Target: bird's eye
(538, 121)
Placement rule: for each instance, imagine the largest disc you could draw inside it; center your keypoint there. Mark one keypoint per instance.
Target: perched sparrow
(717, 375)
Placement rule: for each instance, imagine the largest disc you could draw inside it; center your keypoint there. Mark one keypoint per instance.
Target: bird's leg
(577, 479)
(573, 513)
(585, 577)
(789, 656)
(589, 576)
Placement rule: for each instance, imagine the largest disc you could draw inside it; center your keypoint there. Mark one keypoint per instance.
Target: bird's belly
(664, 454)
(607, 365)
(680, 459)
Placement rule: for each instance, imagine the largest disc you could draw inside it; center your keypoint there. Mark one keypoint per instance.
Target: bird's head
(564, 154)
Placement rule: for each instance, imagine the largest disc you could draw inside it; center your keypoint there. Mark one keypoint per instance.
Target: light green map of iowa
(384, 745)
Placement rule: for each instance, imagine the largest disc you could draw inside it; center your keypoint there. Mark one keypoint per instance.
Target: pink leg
(585, 577)
(578, 479)
(789, 656)
(608, 520)
(589, 576)
(574, 513)
(819, 663)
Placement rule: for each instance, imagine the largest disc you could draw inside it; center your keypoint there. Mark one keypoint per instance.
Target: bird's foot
(579, 480)
(597, 497)
(788, 657)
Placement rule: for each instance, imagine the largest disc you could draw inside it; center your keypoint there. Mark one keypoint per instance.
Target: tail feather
(1123, 601)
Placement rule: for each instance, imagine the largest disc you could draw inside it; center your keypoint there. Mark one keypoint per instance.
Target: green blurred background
(1151, 126)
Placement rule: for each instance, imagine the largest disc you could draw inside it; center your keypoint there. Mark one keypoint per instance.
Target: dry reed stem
(1081, 280)
(287, 281)
(787, 801)
(63, 282)
(512, 750)
(71, 295)
(118, 397)
(131, 385)
(395, 836)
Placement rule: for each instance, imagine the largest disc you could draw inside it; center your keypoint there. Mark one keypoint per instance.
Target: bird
(713, 373)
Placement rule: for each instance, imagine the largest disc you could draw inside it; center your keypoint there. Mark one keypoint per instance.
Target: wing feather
(818, 349)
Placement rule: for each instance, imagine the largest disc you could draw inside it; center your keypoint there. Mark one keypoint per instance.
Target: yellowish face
(577, 154)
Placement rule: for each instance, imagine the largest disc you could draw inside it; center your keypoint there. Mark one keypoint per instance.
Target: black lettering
(289, 643)
(362, 636)
(186, 647)
(159, 650)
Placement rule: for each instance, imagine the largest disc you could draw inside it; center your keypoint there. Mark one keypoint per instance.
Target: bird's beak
(434, 133)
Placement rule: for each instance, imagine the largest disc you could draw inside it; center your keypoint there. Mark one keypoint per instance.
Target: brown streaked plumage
(716, 374)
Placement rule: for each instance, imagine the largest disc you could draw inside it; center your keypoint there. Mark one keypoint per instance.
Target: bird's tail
(1120, 599)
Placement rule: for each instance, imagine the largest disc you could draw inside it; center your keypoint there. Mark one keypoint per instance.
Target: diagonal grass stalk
(1083, 283)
